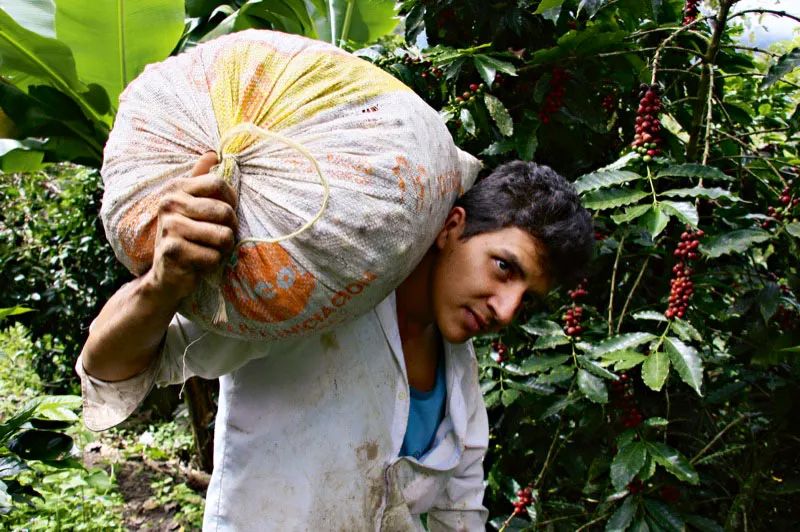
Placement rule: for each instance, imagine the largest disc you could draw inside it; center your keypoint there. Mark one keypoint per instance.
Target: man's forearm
(126, 335)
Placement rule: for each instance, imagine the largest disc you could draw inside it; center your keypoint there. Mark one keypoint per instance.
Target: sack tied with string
(344, 176)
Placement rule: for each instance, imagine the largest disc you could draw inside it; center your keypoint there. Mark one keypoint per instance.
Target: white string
(183, 360)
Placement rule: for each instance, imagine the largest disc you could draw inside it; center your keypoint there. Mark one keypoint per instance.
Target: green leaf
(625, 359)
(631, 213)
(40, 445)
(786, 63)
(531, 386)
(768, 300)
(685, 330)
(683, 210)
(8, 428)
(492, 400)
(114, 41)
(542, 327)
(11, 466)
(559, 406)
(509, 396)
(99, 480)
(656, 422)
(793, 229)
(544, 5)
(288, 16)
(33, 15)
(58, 407)
(368, 21)
(663, 516)
(623, 341)
(649, 315)
(595, 368)
(640, 526)
(537, 364)
(703, 524)
(415, 22)
(613, 197)
(686, 362)
(627, 463)
(655, 370)
(654, 221)
(557, 375)
(694, 170)
(737, 241)
(468, 121)
(592, 387)
(527, 140)
(673, 461)
(622, 518)
(548, 342)
(701, 192)
(604, 179)
(794, 122)
(499, 114)
(13, 311)
(486, 70)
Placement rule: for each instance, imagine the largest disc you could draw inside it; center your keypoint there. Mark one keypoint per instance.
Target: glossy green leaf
(486, 70)
(703, 524)
(664, 516)
(620, 342)
(499, 114)
(631, 213)
(737, 241)
(698, 171)
(627, 463)
(113, 41)
(655, 220)
(368, 19)
(613, 197)
(685, 330)
(40, 445)
(33, 15)
(640, 525)
(531, 386)
(557, 375)
(544, 5)
(649, 315)
(58, 407)
(468, 121)
(622, 517)
(548, 342)
(686, 361)
(700, 192)
(786, 63)
(492, 400)
(509, 396)
(625, 359)
(288, 16)
(13, 311)
(537, 364)
(595, 369)
(656, 422)
(793, 229)
(768, 300)
(683, 210)
(655, 370)
(605, 179)
(673, 461)
(11, 466)
(592, 387)
(542, 327)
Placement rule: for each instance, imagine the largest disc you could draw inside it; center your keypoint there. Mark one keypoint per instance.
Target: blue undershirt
(424, 415)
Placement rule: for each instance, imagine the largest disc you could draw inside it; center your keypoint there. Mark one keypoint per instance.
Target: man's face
(481, 283)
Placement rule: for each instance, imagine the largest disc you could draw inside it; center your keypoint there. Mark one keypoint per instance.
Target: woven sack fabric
(392, 168)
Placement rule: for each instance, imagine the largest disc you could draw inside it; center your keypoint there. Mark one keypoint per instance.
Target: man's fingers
(207, 186)
(204, 164)
(206, 234)
(199, 208)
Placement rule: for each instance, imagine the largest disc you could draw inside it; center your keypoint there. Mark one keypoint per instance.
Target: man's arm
(196, 228)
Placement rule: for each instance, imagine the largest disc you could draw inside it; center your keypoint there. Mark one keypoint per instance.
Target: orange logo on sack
(137, 233)
(264, 284)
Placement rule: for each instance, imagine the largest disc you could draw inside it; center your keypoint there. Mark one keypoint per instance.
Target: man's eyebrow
(512, 258)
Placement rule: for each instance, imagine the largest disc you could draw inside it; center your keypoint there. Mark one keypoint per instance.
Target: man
(363, 428)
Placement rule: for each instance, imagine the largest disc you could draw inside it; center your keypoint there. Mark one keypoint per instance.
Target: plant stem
(347, 19)
(710, 444)
(547, 459)
(614, 284)
(630, 294)
(663, 45)
(705, 79)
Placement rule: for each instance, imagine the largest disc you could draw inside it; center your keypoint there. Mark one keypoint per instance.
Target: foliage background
(638, 421)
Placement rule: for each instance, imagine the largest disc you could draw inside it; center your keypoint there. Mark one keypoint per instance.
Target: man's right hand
(196, 231)
(196, 227)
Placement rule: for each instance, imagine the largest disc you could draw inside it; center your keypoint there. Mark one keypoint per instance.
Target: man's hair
(535, 199)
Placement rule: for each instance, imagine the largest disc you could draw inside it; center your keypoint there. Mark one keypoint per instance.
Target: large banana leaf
(27, 58)
(114, 41)
(34, 15)
(356, 20)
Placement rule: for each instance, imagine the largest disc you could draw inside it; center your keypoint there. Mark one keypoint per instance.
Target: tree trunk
(200, 401)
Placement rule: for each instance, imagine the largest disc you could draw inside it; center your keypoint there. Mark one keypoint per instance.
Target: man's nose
(504, 306)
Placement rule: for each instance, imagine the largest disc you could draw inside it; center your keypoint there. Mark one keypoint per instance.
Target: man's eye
(504, 266)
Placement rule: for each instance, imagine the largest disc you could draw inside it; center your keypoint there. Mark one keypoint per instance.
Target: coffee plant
(661, 392)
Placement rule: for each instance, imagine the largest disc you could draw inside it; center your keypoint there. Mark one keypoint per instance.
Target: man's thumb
(204, 164)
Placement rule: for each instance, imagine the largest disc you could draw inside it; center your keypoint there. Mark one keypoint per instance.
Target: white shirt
(308, 437)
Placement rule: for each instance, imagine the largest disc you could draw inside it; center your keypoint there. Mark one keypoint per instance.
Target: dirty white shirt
(307, 438)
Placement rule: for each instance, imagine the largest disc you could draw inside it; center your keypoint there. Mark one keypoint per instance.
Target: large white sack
(390, 162)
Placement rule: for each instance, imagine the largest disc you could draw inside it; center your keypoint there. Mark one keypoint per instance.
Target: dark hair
(540, 201)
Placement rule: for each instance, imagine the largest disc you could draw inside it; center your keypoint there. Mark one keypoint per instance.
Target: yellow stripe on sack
(256, 83)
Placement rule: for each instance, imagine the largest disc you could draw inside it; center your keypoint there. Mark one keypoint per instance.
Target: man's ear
(453, 227)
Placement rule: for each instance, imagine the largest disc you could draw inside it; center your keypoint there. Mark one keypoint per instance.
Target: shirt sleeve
(187, 351)
(460, 507)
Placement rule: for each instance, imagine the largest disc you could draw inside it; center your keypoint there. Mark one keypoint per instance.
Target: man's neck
(415, 315)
